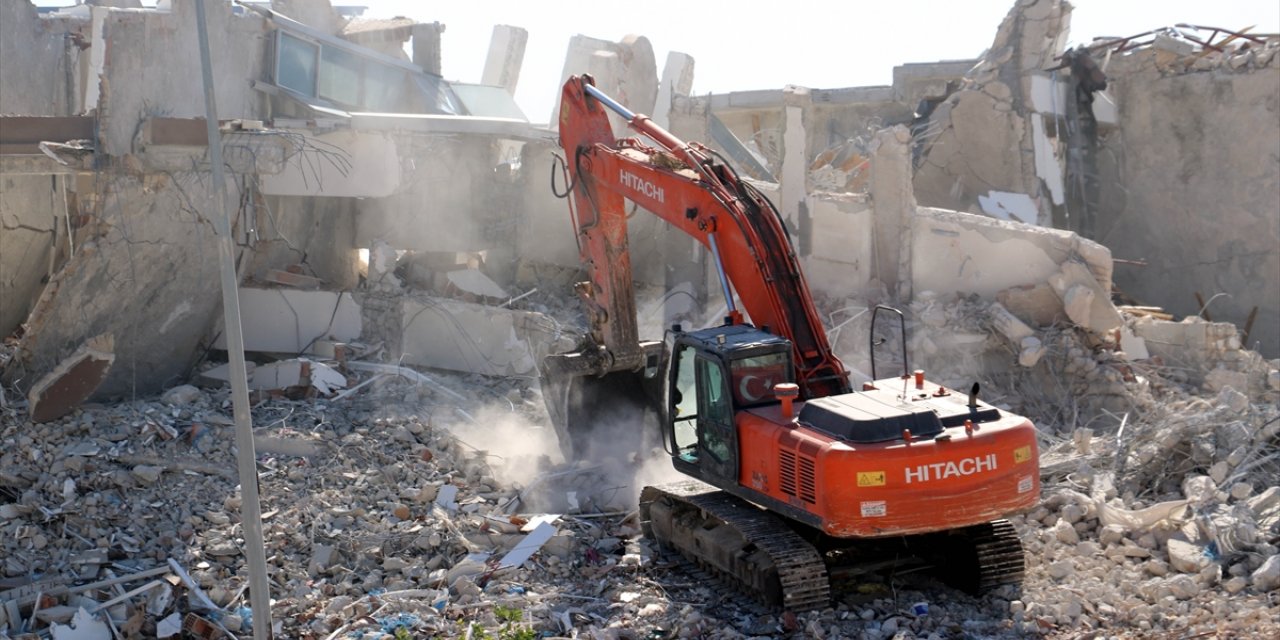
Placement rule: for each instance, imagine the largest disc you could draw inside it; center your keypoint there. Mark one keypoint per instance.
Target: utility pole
(246, 459)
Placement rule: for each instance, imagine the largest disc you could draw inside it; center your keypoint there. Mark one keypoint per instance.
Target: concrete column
(894, 210)
(677, 80)
(506, 56)
(426, 46)
(795, 156)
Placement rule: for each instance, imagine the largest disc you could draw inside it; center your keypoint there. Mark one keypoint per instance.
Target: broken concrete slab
(292, 320)
(476, 283)
(462, 336)
(298, 372)
(60, 391)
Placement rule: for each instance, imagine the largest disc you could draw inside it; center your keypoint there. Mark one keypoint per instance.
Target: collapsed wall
(1192, 183)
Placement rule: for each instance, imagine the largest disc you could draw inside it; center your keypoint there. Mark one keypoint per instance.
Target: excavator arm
(683, 184)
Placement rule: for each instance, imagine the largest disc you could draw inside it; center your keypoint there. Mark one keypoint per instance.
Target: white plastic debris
(169, 627)
(528, 546)
(84, 626)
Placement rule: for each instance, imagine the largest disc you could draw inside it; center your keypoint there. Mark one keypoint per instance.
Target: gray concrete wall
(1198, 192)
(33, 78)
(30, 211)
(152, 67)
(318, 233)
(145, 278)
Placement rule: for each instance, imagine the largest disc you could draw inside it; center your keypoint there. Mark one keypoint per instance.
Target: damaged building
(1090, 232)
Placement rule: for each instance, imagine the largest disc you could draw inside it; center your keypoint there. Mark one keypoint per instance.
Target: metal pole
(724, 280)
(246, 459)
(592, 91)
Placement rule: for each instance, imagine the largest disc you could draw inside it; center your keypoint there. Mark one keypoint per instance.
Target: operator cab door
(703, 434)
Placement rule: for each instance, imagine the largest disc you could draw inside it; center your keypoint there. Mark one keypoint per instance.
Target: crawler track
(765, 558)
(747, 546)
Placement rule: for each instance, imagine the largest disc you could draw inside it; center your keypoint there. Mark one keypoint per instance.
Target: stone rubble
(380, 513)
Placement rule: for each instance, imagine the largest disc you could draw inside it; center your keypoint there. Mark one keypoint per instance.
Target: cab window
(753, 377)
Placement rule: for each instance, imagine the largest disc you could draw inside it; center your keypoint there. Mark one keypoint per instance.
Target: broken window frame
(375, 72)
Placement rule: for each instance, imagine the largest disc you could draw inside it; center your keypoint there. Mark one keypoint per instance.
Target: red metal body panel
(893, 488)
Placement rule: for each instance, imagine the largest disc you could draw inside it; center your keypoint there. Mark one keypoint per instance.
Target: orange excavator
(796, 480)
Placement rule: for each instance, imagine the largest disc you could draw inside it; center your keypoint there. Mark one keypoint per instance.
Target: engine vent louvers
(797, 476)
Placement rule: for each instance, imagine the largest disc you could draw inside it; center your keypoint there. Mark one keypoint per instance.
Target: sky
(757, 45)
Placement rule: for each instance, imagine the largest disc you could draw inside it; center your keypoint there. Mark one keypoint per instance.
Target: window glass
(717, 412)
(685, 402)
(340, 76)
(384, 88)
(440, 96)
(296, 68)
(754, 377)
(717, 407)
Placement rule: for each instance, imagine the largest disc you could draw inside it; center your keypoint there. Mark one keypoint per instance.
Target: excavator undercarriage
(783, 564)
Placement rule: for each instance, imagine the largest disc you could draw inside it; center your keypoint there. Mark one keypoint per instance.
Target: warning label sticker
(1024, 484)
(873, 508)
(871, 478)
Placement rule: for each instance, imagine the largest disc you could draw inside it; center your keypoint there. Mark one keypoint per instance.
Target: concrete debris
(286, 375)
(410, 480)
(181, 394)
(60, 391)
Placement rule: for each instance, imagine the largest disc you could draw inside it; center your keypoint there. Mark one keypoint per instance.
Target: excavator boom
(684, 185)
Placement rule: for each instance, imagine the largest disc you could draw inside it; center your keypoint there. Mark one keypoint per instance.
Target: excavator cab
(715, 373)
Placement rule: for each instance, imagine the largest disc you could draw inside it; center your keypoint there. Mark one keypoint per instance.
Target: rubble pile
(389, 509)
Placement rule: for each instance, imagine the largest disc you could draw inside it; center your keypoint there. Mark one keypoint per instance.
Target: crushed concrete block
(1273, 379)
(1086, 301)
(1241, 490)
(1234, 400)
(1267, 576)
(1235, 585)
(62, 390)
(1032, 349)
(1183, 587)
(1037, 305)
(181, 394)
(146, 474)
(1111, 534)
(1065, 533)
(1061, 569)
(1185, 556)
(1008, 324)
(1133, 347)
(324, 557)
